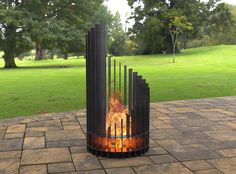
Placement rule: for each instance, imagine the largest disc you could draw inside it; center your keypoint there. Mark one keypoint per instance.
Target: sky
(123, 8)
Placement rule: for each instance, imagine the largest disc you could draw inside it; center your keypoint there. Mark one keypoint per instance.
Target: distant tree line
(211, 22)
(59, 27)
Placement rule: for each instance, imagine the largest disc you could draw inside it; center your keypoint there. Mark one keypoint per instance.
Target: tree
(152, 20)
(22, 22)
(176, 26)
(118, 37)
(12, 20)
(103, 14)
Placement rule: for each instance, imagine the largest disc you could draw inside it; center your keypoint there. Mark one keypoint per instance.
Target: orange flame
(116, 121)
(116, 129)
(116, 114)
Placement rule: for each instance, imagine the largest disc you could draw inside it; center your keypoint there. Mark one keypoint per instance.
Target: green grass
(42, 87)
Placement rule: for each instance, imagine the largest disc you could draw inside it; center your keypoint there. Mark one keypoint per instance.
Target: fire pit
(118, 103)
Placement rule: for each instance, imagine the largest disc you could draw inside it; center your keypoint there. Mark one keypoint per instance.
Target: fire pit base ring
(118, 154)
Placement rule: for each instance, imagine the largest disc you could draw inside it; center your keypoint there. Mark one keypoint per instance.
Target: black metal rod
(133, 122)
(145, 122)
(95, 87)
(109, 138)
(134, 109)
(90, 82)
(93, 81)
(135, 75)
(127, 125)
(125, 85)
(89, 87)
(139, 93)
(115, 137)
(148, 106)
(130, 90)
(109, 78)
(100, 79)
(103, 68)
(87, 82)
(115, 76)
(121, 135)
(148, 114)
(144, 101)
(119, 77)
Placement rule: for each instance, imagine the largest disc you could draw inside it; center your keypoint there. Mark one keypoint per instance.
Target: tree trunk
(39, 52)
(52, 54)
(173, 45)
(10, 46)
(65, 56)
(174, 53)
(9, 60)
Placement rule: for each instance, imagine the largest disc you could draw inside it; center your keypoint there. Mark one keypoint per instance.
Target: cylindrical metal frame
(136, 97)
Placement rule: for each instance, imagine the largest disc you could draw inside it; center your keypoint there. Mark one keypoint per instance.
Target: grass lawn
(59, 85)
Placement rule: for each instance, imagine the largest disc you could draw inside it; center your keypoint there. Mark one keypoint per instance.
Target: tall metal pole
(119, 77)
(115, 76)
(125, 85)
(130, 90)
(109, 79)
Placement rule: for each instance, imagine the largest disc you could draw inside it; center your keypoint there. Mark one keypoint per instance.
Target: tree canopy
(45, 23)
(152, 20)
(177, 25)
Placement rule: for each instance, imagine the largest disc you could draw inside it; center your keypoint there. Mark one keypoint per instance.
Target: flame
(116, 115)
(116, 139)
(116, 120)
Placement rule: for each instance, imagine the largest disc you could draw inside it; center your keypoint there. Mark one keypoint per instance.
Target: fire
(116, 124)
(116, 115)
(117, 139)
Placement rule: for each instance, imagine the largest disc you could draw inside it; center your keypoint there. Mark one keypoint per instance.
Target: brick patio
(192, 136)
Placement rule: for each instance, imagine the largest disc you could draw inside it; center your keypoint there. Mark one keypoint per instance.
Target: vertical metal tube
(87, 85)
(139, 105)
(114, 76)
(102, 37)
(128, 133)
(119, 77)
(130, 90)
(125, 85)
(109, 79)
(94, 86)
(148, 114)
(134, 110)
(135, 75)
(100, 79)
(144, 101)
(109, 138)
(115, 137)
(93, 82)
(122, 135)
(127, 125)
